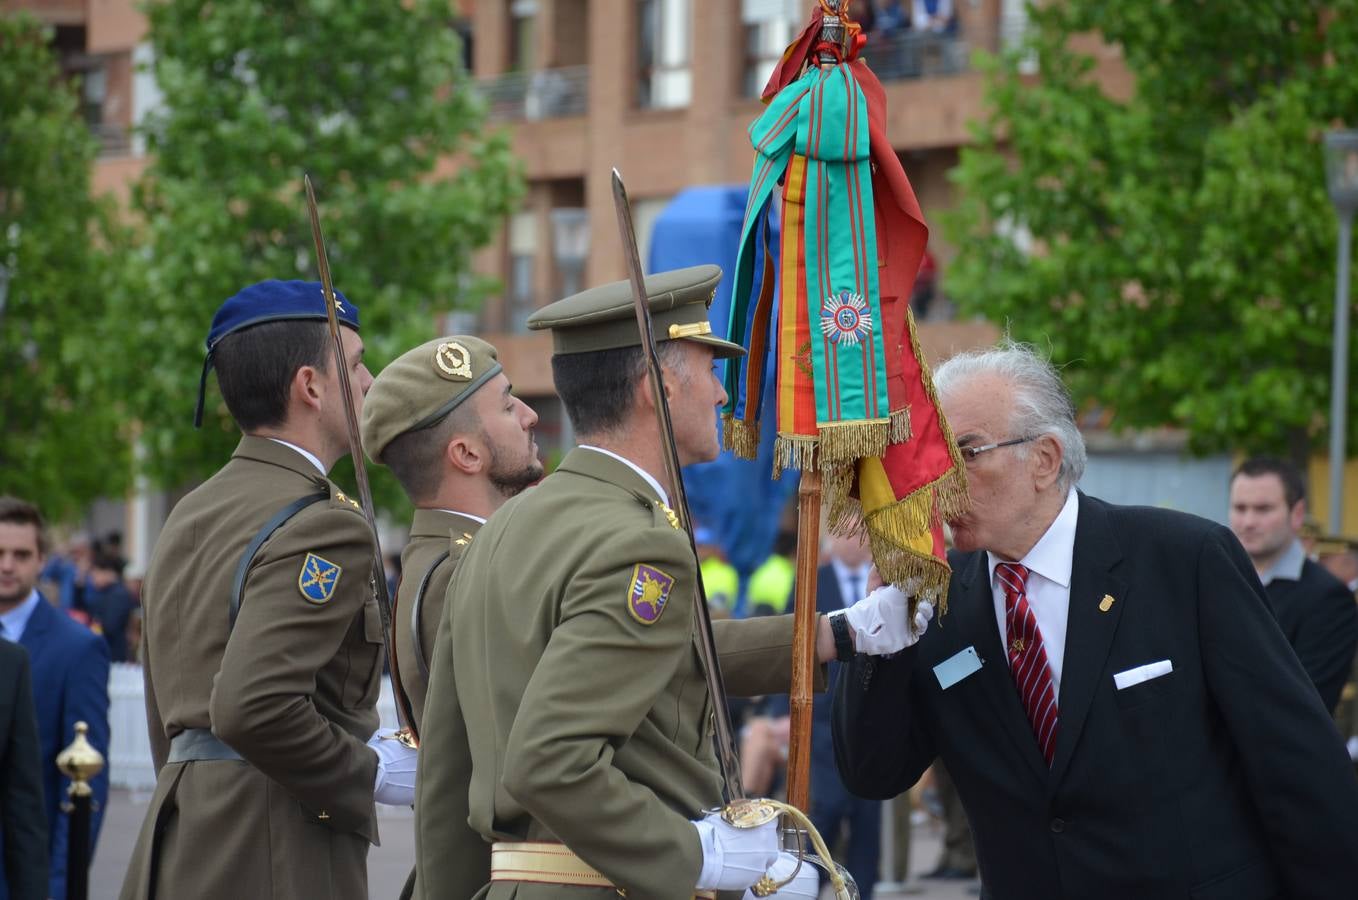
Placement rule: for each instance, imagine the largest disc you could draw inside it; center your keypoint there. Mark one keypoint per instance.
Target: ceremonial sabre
(739, 811)
(406, 734)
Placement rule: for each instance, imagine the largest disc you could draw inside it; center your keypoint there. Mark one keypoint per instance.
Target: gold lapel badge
(1106, 603)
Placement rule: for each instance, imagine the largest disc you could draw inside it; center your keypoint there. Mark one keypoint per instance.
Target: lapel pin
(1106, 603)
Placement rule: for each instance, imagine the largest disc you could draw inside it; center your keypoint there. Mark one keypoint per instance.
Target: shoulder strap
(417, 616)
(287, 512)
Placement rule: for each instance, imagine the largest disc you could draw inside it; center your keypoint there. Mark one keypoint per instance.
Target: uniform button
(1058, 825)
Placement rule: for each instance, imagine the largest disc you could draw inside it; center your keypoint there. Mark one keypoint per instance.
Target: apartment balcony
(534, 96)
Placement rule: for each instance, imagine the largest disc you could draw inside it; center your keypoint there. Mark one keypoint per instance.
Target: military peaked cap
(604, 318)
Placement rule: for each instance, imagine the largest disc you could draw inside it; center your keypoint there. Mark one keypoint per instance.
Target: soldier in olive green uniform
(566, 658)
(262, 641)
(442, 417)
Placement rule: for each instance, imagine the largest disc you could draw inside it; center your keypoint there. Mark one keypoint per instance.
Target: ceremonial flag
(854, 399)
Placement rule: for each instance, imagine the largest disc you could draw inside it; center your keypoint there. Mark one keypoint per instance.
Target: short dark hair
(1294, 486)
(255, 367)
(14, 511)
(597, 387)
(109, 562)
(415, 457)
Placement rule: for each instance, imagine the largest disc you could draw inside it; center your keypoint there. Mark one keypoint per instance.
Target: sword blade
(404, 711)
(707, 645)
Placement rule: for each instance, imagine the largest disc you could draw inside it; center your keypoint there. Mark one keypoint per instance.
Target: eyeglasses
(970, 453)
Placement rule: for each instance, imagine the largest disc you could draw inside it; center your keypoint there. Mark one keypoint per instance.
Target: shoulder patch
(318, 579)
(648, 593)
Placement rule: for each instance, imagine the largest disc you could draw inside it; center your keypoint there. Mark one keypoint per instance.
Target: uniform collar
(438, 522)
(650, 480)
(280, 453)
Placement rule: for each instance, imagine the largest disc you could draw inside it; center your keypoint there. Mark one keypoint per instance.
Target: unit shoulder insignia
(464, 540)
(318, 579)
(648, 593)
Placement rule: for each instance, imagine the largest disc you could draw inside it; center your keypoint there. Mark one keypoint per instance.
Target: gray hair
(1042, 405)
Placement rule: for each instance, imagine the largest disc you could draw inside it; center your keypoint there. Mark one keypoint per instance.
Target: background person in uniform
(1109, 690)
(565, 658)
(23, 820)
(69, 667)
(260, 727)
(1314, 609)
(444, 419)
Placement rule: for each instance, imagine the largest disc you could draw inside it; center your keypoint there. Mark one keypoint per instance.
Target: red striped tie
(1028, 658)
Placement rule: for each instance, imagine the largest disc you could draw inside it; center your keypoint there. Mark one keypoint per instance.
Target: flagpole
(804, 640)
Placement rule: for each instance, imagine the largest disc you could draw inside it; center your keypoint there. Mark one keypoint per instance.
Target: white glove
(734, 858)
(879, 621)
(806, 884)
(395, 785)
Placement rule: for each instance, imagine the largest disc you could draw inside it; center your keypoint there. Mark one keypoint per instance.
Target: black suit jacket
(1223, 780)
(1320, 620)
(23, 820)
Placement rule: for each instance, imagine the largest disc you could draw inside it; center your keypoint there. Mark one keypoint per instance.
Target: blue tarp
(736, 498)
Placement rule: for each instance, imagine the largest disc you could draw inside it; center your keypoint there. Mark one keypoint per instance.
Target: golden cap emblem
(453, 361)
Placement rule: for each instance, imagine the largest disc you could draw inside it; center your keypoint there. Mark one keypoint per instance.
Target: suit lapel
(37, 626)
(973, 609)
(1089, 626)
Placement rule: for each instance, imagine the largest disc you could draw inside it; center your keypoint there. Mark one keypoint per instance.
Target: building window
(664, 38)
(522, 35)
(523, 245)
(570, 248)
(770, 26)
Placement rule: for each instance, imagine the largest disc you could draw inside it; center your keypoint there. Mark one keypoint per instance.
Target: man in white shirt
(1109, 690)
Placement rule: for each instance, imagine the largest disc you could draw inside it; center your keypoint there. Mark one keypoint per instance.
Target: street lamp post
(1341, 170)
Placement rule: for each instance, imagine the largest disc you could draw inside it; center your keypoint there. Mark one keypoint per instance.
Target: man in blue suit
(70, 671)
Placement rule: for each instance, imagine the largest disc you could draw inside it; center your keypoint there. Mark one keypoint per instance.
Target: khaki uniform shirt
(567, 677)
(434, 533)
(292, 689)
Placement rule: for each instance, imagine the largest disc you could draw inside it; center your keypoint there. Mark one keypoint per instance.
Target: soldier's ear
(305, 388)
(466, 455)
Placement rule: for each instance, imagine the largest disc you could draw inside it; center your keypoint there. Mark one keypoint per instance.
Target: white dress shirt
(454, 512)
(660, 491)
(1048, 588)
(311, 457)
(16, 620)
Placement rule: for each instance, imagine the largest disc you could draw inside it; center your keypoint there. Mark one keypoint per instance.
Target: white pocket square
(1126, 679)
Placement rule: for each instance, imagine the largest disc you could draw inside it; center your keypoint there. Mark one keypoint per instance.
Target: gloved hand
(805, 885)
(395, 785)
(880, 623)
(734, 858)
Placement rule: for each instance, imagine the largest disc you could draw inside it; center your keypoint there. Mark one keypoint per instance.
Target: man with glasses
(1109, 689)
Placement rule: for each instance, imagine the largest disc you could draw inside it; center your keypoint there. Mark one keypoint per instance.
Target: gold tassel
(845, 442)
(959, 502)
(793, 451)
(740, 436)
(900, 426)
(925, 574)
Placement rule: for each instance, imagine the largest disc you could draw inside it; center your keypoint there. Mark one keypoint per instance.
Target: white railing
(544, 94)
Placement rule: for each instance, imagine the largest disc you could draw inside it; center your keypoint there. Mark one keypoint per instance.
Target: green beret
(604, 318)
(423, 385)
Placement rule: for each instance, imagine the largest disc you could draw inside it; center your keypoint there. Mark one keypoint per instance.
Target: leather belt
(548, 863)
(198, 745)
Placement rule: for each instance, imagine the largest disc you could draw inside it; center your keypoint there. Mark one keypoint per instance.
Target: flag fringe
(741, 436)
(845, 442)
(900, 426)
(793, 451)
(959, 503)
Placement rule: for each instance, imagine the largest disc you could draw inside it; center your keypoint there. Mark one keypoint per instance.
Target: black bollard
(79, 762)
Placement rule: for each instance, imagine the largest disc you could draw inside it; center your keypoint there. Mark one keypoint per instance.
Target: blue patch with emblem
(318, 579)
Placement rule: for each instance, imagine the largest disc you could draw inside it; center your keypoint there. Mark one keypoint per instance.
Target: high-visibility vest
(721, 583)
(771, 584)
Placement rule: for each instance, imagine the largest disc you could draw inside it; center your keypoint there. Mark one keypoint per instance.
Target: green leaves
(64, 439)
(1182, 261)
(367, 98)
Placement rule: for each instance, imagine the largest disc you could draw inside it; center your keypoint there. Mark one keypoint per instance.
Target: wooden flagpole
(804, 640)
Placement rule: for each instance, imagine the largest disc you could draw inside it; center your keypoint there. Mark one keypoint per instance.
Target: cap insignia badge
(318, 579)
(648, 594)
(453, 361)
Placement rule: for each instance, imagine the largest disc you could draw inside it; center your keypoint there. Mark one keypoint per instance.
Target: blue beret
(269, 301)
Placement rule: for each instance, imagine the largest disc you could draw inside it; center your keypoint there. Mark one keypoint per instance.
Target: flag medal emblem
(649, 593)
(318, 579)
(845, 318)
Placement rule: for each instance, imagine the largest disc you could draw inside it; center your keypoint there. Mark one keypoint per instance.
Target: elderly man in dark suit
(1109, 690)
(23, 822)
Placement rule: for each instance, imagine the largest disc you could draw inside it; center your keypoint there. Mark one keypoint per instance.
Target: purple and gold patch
(649, 593)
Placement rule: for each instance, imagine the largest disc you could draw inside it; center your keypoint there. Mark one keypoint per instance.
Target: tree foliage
(63, 443)
(1181, 264)
(369, 98)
